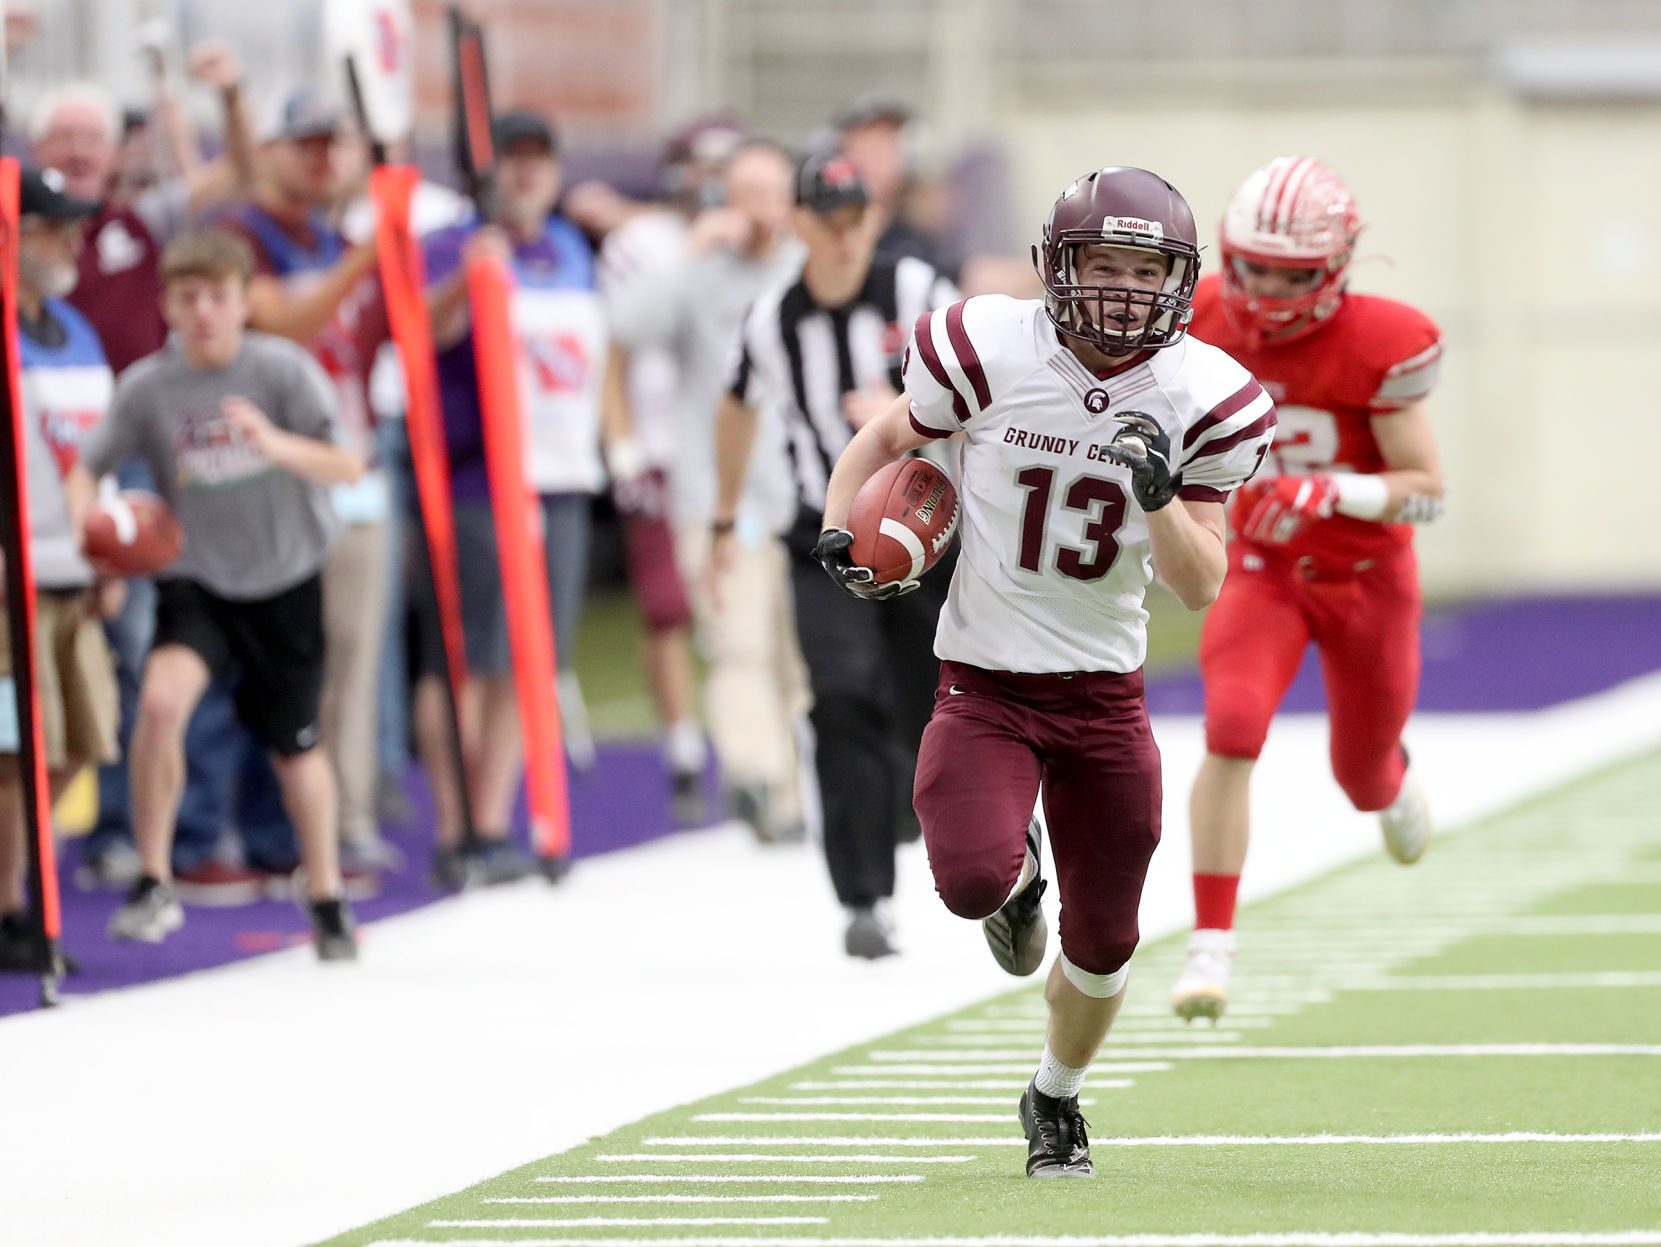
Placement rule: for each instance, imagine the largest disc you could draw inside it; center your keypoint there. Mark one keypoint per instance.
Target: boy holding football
(242, 438)
(1099, 442)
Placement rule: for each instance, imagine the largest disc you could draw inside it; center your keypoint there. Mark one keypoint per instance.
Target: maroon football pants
(993, 739)
(1366, 626)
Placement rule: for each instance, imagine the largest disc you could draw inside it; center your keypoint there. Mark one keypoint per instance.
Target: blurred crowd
(141, 243)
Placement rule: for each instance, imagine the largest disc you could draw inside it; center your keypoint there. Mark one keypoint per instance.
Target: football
(132, 533)
(902, 520)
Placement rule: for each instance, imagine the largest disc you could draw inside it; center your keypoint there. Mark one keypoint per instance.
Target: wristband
(720, 528)
(1361, 495)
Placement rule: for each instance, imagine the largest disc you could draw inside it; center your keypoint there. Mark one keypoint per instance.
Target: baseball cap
(301, 114)
(828, 182)
(524, 127)
(40, 193)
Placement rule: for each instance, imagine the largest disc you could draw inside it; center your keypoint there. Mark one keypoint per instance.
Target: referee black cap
(825, 183)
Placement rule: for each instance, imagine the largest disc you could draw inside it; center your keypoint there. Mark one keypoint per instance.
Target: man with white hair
(76, 129)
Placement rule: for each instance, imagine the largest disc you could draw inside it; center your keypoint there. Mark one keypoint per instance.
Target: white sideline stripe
(902, 1100)
(1363, 1050)
(668, 1198)
(816, 1179)
(1173, 1030)
(704, 1158)
(1036, 1026)
(919, 1084)
(812, 1140)
(1294, 1238)
(1026, 1067)
(1186, 1140)
(1507, 982)
(908, 1117)
(553, 1223)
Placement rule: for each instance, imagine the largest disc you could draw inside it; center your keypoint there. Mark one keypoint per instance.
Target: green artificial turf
(1358, 957)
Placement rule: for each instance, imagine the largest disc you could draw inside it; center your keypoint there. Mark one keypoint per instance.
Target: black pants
(873, 672)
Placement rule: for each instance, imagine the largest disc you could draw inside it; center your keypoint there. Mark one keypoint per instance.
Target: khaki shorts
(75, 679)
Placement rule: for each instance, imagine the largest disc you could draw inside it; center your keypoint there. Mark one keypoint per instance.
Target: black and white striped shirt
(799, 359)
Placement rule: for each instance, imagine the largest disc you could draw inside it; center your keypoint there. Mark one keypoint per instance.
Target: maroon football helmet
(1119, 207)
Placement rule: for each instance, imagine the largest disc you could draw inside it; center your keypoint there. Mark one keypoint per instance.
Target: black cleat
(1057, 1145)
(1016, 934)
(686, 798)
(331, 930)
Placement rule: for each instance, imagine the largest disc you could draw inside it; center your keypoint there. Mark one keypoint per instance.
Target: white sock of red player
(1056, 1079)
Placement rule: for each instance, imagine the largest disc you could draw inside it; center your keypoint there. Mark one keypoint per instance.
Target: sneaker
(1016, 934)
(748, 804)
(870, 932)
(686, 797)
(331, 929)
(372, 852)
(454, 869)
(219, 885)
(114, 869)
(1406, 822)
(150, 913)
(500, 860)
(1202, 990)
(1057, 1144)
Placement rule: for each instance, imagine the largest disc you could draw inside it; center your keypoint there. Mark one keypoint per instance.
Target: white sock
(1056, 1079)
(683, 746)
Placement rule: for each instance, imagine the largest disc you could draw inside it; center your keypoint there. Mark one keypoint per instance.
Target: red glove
(1274, 512)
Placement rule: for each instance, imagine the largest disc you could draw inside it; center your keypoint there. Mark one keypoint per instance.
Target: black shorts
(275, 644)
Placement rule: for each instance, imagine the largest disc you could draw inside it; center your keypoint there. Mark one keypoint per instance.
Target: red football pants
(993, 738)
(1366, 626)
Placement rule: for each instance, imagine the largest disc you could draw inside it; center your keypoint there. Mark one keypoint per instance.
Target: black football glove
(832, 553)
(1145, 448)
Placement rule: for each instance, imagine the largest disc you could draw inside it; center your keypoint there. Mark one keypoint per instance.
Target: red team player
(1323, 547)
(1099, 442)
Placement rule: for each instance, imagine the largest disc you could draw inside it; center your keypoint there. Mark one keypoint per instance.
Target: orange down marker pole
(20, 613)
(523, 561)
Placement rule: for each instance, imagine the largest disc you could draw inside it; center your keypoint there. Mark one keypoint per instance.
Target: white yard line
(876, 1179)
(970, 1084)
(704, 1158)
(1507, 982)
(1293, 1053)
(554, 1223)
(903, 1101)
(679, 1199)
(910, 1117)
(1170, 1140)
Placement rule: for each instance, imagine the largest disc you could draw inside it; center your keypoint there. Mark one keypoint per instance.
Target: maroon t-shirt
(119, 289)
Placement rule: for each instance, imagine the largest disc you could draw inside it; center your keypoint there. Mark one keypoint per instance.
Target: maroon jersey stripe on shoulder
(967, 359)
(1257, 428)
(1241, 398)
(924, 339)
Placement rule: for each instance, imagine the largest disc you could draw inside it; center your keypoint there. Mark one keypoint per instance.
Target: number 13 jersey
(1055, 556)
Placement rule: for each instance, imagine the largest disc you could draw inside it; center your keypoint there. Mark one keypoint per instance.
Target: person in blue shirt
(66, 387)
(563, 352)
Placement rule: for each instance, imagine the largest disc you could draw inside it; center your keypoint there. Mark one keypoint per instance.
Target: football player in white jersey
(1099, 445)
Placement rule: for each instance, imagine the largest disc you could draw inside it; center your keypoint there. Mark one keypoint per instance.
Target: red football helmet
(1294, 212)
(1119, 207)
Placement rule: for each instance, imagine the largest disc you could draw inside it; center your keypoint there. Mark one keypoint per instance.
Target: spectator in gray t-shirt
(242, 439)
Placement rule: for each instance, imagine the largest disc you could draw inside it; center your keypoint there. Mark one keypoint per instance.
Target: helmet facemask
(1282, 319)
(1086, 313)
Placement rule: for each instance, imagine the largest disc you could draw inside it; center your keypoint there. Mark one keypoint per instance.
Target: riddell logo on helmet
(1132, 225)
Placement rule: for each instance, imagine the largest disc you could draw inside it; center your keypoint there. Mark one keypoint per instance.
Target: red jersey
(1373, 356)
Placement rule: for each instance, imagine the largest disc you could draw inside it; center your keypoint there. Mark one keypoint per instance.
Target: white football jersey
(1055, 556)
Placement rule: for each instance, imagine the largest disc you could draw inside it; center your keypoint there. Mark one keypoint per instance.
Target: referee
(825, 353)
